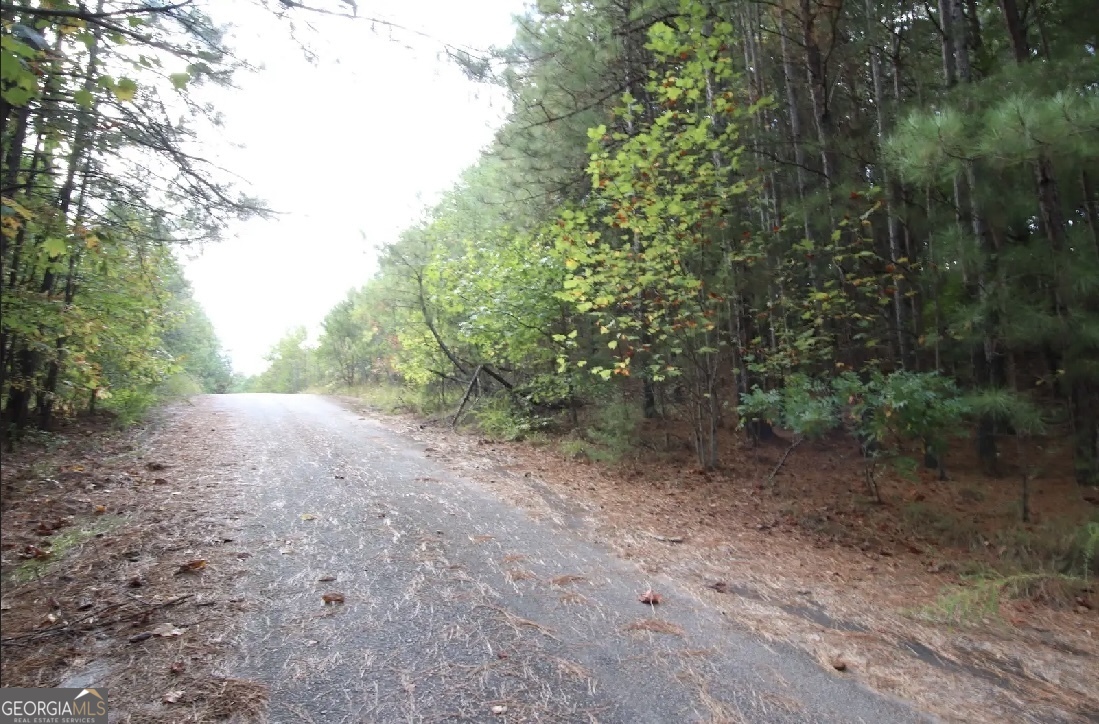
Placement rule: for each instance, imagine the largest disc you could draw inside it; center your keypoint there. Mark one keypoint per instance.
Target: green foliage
(547, 392)
(614, 431)
(980, 598)
(1008, 408)
(780, 207)
(759, 405)
(100, 178)
(129, 406)
(808, 407)
(902, 406)
(1071, 551)
(500, 418)
(62, 542)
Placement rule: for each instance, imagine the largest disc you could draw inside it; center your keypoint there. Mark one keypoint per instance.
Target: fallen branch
(465, 397)
(68, 626)
(668, 538)
(489, 371)
(771, 478)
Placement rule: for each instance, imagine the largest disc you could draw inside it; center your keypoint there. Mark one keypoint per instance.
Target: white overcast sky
(352, 146)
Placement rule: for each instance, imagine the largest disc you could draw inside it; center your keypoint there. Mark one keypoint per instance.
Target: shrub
(501, 417)
(128, 406)
(614, 431)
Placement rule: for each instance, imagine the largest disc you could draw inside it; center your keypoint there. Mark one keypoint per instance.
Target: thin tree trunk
(793, 110)
(818, 96)
(891, 217)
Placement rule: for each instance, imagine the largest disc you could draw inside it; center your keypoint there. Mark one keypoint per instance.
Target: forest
(784, 313)
(102, 184)
(878, 218)
(809, 215)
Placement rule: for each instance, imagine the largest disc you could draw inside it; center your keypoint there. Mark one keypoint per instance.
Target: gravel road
(460, 607)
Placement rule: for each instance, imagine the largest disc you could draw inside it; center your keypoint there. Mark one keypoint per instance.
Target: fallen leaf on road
(172, 697)
(720, 587)
(160, 481)
(308, 516)
(166, 630)
(32, 551)
(155, 466)
(649, 597)
(140, 637)
(326, 579)
(177, 667)
(100, 509)
(190, 566)
(333, 598)
(499, 709)
(839, 664)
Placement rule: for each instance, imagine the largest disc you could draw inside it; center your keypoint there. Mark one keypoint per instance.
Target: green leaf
(84, 98)
(17, 96)
(180, 80)
(125, 89)
(55, 246)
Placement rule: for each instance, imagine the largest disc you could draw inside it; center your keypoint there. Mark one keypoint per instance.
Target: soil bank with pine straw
(118, 550)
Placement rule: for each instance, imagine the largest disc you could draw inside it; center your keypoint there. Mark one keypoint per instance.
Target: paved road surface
(459, 607)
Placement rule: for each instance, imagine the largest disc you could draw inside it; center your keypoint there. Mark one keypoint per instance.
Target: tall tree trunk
(818, 96)
(793, 110)
(891, 217)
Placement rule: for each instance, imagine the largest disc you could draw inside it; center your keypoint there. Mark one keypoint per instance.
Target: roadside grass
(391, 398)
(1050, 565)
(61, 543)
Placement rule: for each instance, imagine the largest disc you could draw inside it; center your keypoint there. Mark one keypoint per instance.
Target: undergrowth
(1051, 565)
(61, 543)
(500, 417)
(393, 398)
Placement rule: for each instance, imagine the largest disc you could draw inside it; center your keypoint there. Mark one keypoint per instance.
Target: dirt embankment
(118, 558)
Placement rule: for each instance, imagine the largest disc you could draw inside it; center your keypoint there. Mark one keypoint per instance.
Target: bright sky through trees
(391, 123)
